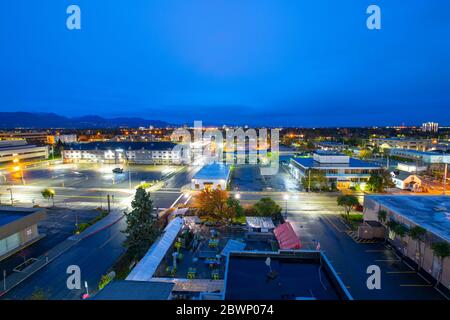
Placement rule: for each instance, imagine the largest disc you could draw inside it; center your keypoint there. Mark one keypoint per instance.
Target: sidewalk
(16, 278)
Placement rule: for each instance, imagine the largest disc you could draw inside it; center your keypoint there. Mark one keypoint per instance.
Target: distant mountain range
(10, 120)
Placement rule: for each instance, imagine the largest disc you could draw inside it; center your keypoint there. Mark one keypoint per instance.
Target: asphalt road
(94, 255)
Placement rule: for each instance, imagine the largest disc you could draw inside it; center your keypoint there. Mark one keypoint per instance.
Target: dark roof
(135, 290)
(353, 163)
(113, 145)
(8, 216)
(297, 277)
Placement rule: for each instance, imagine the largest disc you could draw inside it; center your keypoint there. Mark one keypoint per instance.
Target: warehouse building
(126, 152)
(18, 228)
(429, 212)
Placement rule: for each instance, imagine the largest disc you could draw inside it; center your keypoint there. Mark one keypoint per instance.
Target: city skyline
(276, 64)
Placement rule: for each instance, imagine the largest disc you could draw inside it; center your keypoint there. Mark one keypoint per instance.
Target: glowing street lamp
(237, 196)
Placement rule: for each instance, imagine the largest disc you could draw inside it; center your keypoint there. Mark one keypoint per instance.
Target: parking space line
(416, 285)
(332, 224)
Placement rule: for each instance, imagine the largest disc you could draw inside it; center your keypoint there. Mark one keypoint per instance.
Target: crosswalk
(354, 236)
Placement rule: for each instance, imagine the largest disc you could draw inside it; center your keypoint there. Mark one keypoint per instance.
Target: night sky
(269, 62)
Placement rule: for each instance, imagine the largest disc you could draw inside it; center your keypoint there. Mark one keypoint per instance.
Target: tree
(266, 207)
(218, 206)
(442, 251)
(49, 194)
(365, 154)
(347, 202)
(382, 216)
(142, 229)
(379, 181)
(314, 180)
(401, 230)
(418, 233)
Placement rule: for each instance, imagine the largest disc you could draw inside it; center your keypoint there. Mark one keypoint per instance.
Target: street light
(237, 196)
(12, 200)
(286, 198)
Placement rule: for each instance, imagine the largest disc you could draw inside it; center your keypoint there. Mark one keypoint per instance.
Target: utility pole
(444, 184)
(309, 180)
(109, 203)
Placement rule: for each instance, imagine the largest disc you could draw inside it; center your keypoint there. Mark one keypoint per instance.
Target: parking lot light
(237, 196)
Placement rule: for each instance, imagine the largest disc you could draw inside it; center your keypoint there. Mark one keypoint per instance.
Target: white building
(338, 168)
(126, 152)
(406, 181)
(430, 127)
(422, 157)
(66, 138)
(18, 150)
(211, 176)
(402, 143)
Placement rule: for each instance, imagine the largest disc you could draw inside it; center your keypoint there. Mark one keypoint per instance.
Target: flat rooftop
(430, 212)
(298, 278)
(419, 153)
(114, 145)
(213, 171)
(8, 216)
(353, 163)
(135, 290)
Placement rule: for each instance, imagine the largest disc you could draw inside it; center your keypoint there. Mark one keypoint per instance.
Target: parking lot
(89, 176)
(351, 259)
(57, 227)
(249, 178)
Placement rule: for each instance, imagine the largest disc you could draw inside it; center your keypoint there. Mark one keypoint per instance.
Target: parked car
(117, 170)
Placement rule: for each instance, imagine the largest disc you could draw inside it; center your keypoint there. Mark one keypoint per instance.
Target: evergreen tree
(142, 229)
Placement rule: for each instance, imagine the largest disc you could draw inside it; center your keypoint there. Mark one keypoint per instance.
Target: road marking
(175, 202)
(332, 224)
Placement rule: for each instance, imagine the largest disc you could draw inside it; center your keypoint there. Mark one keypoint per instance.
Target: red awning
(286, 236)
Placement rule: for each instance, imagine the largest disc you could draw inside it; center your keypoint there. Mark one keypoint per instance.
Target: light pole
(12, 200)
(286, 198)
(129, 177)
(444, 187)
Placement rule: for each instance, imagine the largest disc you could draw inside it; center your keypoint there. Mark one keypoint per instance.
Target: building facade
(126, 152)
(18, 228)
(430, 127)
(212, 176)
(339, 169)
(402, 143)
(428, 212)
(13, 151)
(421, 157)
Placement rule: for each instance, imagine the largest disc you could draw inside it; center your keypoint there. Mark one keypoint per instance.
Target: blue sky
(272, 62)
